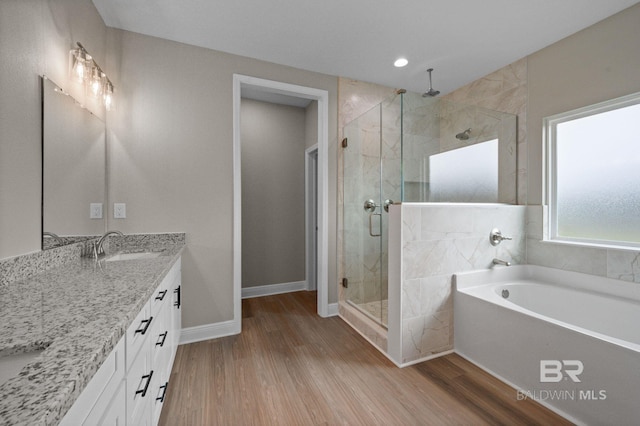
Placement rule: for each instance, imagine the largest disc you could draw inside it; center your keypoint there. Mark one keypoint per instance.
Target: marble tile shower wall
(611, 263)
(437, 241)
(421, 139)
(503, 90)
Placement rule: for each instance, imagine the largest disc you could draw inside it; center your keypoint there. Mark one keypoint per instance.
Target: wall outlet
(119, 210)
(95, 211)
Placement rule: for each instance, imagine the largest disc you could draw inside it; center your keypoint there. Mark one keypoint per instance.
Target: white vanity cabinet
(130, 386)
(101, 394)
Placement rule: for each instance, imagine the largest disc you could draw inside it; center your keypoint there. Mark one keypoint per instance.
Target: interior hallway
(291, 367)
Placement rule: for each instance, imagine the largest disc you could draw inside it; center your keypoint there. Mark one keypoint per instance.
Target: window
(593, 158)
(465, 175)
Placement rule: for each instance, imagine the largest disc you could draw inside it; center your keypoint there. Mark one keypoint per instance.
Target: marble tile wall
(437, 241)
(430, 127)
(611, 263)
(504, 90)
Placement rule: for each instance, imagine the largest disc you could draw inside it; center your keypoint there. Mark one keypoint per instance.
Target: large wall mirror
(73, 169)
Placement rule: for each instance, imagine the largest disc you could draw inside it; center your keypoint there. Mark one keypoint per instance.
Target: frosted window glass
(598, 176)
(468, 174)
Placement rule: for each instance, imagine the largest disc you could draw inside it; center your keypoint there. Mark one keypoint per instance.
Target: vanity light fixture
(84, 69)
(400, 62)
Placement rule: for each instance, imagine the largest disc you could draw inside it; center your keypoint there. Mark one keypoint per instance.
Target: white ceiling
(462, 39)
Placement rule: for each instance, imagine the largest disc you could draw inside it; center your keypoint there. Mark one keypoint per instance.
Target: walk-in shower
(408, 149)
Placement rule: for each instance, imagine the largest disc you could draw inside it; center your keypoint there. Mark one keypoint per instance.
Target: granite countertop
(78, 312)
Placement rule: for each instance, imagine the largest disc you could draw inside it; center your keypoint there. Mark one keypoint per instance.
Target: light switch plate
(95, 211)
(119, 210)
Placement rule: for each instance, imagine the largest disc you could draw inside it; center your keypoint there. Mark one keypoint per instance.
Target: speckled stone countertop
(78, 312)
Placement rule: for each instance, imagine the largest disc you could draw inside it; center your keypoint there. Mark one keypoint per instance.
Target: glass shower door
(364, 215)
(372, 181)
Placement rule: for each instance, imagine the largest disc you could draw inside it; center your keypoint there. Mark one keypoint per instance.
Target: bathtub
(567, 340)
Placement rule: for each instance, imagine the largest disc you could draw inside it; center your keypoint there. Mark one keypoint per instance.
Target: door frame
(310, 212)
(322, 97)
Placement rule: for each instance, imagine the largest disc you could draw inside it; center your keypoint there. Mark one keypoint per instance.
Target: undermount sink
(11, 365)
(133, 256)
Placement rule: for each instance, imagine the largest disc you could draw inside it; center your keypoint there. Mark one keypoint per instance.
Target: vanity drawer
(160, 298)
(163, 294)
(139, 390)
(138, 333)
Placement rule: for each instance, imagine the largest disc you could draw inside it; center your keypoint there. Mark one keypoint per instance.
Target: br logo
(553, 371)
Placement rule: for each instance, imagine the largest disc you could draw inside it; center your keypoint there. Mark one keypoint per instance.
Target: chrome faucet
(54, 236)
(497, 261)
(97, 247)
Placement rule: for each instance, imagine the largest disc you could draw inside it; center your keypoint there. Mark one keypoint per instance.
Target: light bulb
(108, 96)
(96, 82)
(79, 60)
(79, 70)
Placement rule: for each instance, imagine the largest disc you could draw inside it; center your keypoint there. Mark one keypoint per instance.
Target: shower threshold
(377, 311)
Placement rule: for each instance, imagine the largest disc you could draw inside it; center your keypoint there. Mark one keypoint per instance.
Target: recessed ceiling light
(400, 62)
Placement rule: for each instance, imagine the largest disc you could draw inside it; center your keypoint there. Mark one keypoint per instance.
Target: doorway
(241, 84)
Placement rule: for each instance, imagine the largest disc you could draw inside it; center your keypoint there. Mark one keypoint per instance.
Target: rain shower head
(430, 92)
(463, 136)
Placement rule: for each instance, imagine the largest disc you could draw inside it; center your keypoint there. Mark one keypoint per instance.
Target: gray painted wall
(171, 156)
(273, 234)
(170, 138)
(594, 65)
(35, 39)
(598, 63)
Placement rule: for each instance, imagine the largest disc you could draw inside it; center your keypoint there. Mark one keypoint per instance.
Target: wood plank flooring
(291, 367)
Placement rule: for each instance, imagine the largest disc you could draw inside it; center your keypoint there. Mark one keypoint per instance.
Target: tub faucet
(97, 247)
(497, 261)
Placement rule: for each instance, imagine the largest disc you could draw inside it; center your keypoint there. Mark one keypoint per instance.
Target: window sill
(586, 244)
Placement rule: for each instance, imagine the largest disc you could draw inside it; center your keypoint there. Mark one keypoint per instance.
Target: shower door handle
(370, 206)
(371, 224)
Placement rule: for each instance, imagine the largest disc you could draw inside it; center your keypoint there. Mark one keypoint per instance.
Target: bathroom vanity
(103, 335)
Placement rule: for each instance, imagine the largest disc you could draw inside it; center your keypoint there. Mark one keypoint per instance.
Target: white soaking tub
(570, 341)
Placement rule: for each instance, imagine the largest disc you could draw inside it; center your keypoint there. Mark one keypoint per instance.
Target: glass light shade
(79, 65)
(96, 83)
(109, 102)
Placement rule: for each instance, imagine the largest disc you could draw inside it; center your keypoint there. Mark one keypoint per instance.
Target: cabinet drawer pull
(177, 302)
(144, 326)
(164, 392)
(143, 391)
(164, 337)
(161, 295)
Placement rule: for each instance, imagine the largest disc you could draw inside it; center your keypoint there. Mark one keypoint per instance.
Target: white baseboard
(332, 309)
(231, 327)
(209, 331)
(268, 290)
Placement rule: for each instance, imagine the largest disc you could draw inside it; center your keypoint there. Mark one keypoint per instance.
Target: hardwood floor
(291, 367)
